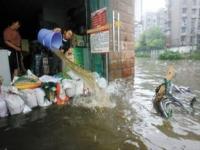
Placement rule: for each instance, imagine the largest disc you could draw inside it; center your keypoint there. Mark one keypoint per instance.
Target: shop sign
(98, 18)
(99, 42)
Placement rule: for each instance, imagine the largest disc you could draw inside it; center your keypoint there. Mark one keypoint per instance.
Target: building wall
(184, 18)
(150, 20)
(121, 63)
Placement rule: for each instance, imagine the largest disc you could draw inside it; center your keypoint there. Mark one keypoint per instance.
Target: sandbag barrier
(52, 90)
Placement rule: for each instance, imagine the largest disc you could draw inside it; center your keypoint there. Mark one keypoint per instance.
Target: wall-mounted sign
(99, 18)
(99, 42)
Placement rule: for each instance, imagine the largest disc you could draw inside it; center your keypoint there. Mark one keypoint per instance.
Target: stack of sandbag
(3, 107)
(40, 95)
(15, 104)
(73, 87)
(29, 97)
(34, 98)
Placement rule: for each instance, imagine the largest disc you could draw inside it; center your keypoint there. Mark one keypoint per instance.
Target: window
(183, 29)
(191, 39)
(184, 10)
(199, 12)
(184, 21)
(193, 22)
(183, 38)
(194, 11)
(184, 2)
(198, 39)
(199, 24)
(194, 2)
(192, 30)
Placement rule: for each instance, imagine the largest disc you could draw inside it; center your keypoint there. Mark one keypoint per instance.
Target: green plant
(152, 38)
(169, 55)
(195, 55)
(142, 54)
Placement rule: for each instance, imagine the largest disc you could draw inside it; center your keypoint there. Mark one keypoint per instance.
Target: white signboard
(99, 42)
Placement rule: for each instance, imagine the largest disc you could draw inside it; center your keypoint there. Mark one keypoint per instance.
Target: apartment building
(184, 22)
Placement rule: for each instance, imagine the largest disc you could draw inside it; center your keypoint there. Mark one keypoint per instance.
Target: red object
(99, 18)
(59, 100)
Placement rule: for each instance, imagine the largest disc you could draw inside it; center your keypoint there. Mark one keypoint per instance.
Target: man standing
(12, 40)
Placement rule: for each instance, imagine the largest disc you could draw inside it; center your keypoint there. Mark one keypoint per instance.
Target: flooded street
(132, 124)
(182, 131)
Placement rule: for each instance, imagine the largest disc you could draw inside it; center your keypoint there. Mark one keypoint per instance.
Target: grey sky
(148, 6)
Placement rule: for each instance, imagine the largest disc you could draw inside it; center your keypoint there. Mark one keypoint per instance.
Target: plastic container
(50, 39)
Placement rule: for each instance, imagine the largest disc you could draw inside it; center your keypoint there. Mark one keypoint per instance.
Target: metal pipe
(118, 31)
(113, 28)
(107, 58)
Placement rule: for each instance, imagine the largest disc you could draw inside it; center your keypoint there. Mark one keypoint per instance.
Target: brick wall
(121, 63)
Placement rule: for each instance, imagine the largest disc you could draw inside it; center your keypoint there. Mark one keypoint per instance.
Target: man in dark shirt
(66, 42)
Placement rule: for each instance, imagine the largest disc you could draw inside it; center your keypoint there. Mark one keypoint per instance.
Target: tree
(152, 38)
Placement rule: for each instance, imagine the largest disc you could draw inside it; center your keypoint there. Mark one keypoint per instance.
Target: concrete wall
(121, 63)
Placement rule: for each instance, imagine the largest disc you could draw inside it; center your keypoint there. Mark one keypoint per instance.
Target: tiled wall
(121, 64)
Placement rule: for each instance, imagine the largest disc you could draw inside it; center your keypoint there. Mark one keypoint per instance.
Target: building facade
(184, 22)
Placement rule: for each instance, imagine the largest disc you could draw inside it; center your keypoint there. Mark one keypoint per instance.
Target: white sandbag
(14, 103)
(70, 87)
(73, 75)
(79, 87)
(67, 83)
(3, 107)
(9, 89)
(73, 88)
(102, 82)
(29, 98)
(47, 78)
(46, 103)
(40, 95)
(26, 109)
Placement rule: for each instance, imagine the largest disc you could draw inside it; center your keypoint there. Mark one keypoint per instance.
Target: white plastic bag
(47, 78)
(26, 109)
(102, 83)
(29, 98)
(70, 87)
(73, 75)
(79, 87)
(14, 103)
(3, 107)
(40, 95)
(73, 88)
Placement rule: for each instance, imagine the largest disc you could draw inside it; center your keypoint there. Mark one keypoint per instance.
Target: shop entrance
(49, 14)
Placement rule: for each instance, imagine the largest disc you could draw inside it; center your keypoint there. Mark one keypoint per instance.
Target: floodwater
(132, 124)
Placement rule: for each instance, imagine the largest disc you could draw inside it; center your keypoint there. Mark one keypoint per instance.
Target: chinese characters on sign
(99, 42)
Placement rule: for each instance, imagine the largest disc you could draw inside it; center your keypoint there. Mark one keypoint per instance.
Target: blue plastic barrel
(50, 39)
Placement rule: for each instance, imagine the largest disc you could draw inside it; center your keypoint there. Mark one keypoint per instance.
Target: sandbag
(70, 87)
(73, 88)
(29, 98)
(40, 95)
(3, 107)
(26, 109)
(79, 87)
(14, 103)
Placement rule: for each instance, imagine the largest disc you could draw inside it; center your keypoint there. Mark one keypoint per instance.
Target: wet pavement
(132, 124)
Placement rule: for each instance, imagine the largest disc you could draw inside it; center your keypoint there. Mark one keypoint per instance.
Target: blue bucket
(50, 39)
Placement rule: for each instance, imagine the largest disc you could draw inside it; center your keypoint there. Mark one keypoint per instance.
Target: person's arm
(12, 46)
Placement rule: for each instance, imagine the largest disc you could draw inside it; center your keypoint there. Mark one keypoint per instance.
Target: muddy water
(132, 124)
(182, 131)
